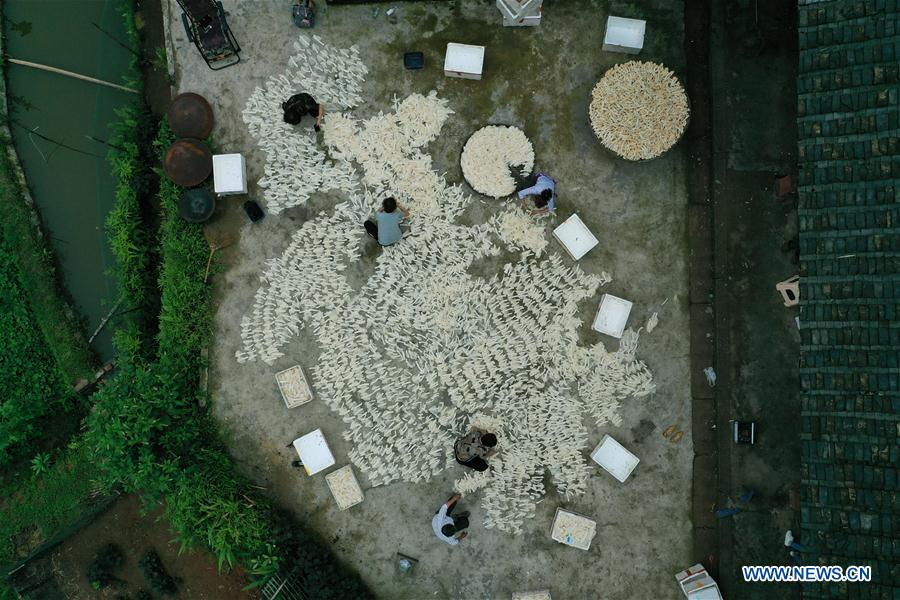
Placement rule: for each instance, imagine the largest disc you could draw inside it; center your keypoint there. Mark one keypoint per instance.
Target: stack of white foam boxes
(520, 13)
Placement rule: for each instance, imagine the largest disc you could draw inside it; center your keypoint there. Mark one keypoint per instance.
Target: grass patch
(46, 504)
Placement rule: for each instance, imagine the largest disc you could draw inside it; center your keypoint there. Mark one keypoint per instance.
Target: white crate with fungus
(612, 315)
(344, 487)
(294, 387)
(535, 595)
(464, 61)
(572, 529)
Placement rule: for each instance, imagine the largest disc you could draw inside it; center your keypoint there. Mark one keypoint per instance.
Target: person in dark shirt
(300, 105)
(472, 449)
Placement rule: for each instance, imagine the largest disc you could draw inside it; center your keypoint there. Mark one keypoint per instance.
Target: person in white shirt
(450, 529)
(542, 194)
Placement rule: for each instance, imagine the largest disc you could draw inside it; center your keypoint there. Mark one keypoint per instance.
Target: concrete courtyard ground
(540, 80)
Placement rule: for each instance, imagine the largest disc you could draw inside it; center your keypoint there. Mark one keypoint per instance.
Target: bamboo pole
(105, 320)
(33, 65)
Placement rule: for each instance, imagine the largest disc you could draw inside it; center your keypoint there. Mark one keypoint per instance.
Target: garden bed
(195, 572)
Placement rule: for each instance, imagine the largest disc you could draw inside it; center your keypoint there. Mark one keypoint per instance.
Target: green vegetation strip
(29, 376)
(40, 279)
(129, 224)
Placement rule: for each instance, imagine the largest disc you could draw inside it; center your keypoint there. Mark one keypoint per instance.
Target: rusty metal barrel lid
(190, 116)
(188, 162)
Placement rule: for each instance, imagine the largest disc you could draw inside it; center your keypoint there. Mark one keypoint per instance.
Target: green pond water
(73, 190)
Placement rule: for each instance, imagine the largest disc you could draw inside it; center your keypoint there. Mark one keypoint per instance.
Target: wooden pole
(33, 65)
(105, 320)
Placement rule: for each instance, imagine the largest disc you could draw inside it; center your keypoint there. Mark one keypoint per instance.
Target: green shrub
(29, 375)
(128, 227)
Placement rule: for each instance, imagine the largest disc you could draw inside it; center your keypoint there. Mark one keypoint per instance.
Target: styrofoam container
(624, 35)
(464, 61)
(229, 174)
(612, 315)
(614, 458)
(575, 237)
(314, 452)
(520, 13)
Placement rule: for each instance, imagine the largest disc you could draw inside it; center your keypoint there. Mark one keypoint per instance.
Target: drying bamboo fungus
(639, 110)
(295, 167)
(344, 487)
(490, 154)
(424, 349)
(294, 387)
(573, 530)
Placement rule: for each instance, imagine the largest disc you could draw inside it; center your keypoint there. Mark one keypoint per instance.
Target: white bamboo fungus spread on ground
(489, 155)
(295, 166)
(425, 349)
(519, 230)
(639, 110)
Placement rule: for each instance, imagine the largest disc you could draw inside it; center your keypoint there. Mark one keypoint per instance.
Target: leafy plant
(40, 463)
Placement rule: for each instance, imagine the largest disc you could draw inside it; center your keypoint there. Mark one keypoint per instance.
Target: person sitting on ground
(472, 449)
(544, 196)
(386, 227)
(300, 105)
(450, 529)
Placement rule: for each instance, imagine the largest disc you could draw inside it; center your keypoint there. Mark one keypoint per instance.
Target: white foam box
(314, 452)
(624, 35)
(520, 13)
(614, 458)
(229, 174)
(464, 61)
(612, 315)
(575, 237)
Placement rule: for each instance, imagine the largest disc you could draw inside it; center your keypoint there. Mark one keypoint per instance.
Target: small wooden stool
(790, 290)
(784, 187)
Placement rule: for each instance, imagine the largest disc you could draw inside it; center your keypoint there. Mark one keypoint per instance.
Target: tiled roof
(849, 211)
